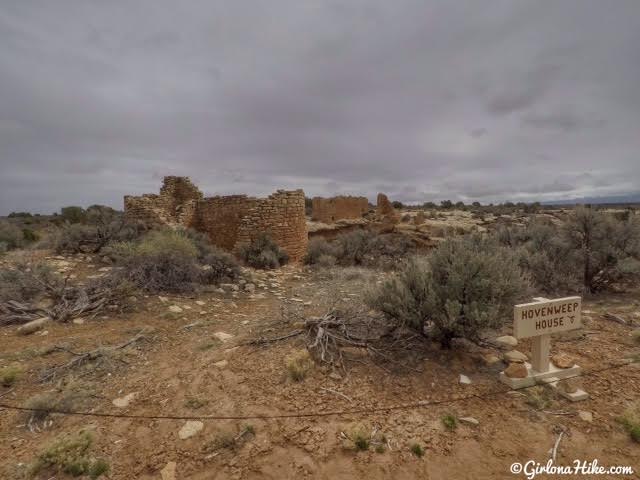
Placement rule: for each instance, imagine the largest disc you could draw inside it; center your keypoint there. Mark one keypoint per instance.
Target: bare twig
(557, 444)
(7, 392)
(337, 393)
(82, 358)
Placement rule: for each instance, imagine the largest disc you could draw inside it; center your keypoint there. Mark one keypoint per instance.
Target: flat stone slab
(576, 396)
(533, 377)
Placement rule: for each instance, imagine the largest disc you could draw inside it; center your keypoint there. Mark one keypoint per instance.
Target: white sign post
(538, 320)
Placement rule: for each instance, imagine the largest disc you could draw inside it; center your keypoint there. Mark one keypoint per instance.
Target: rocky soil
(192, 359)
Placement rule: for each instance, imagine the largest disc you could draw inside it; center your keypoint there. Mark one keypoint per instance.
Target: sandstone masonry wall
(221, 217)
(282, 216)
(329, 210)
(229, 221)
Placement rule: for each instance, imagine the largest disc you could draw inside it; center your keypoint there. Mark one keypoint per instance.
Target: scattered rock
(506, 341)
(250, 287)
(465, 380)
(562, 360)
(33, 326)
(200, 302)
(586, 416)
(222, 336)
(123, 402)
(469, 420)
(221, 364)
(569, 385)
(190, 428)
(335, 376)
(230, 286)
(516, 370)
(490, 359)
(175, 309)
(514, 356)
(169, 471)
(78, 321)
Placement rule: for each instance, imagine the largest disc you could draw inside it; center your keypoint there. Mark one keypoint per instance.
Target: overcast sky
(423, 100)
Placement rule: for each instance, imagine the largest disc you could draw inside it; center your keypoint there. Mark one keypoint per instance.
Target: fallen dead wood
(81, 358)
(561, 431)
(355, 333)
(335, 392)
(614, 318)
(69, 302)
(16, 313)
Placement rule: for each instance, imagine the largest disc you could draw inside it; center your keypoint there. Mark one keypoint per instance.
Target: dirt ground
(184, 367)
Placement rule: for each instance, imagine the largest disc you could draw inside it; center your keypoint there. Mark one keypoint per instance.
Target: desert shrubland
(467, 286)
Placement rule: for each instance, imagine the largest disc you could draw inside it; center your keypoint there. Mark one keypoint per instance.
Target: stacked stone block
(229, 221)
(330, 210)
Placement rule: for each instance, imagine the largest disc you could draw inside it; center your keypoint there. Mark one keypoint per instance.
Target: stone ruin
(387, 215)
(229, 221)
(330, 210)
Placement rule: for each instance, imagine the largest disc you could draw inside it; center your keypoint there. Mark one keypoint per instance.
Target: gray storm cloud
(466, 100)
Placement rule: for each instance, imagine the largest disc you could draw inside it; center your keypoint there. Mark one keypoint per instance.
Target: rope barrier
(355, 411)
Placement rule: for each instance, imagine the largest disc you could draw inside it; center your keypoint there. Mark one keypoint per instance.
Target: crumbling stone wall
(329, 210)
(229, 221)
(387, 215)
(176, 204)
(221, 217)
(282, 216)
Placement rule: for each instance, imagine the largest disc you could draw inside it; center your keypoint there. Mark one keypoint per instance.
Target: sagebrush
(466, 286)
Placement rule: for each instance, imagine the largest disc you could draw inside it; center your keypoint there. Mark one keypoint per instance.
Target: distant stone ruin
(386, 214)
(330, 210)
(229, 221)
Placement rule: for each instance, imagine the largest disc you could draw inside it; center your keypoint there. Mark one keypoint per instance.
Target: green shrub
(317, 249)
(417, 450)
(70, 454)
(354, 247)
(630, 420)
(590, 251)
(11, 236)
(73, 214)
(218, 267)
(8, 376)
(163, 261)
(263, 253)
(360, 248)
(298, 365)
(468, 285)
(25, 282)
(601, 242)
(359, 437)
(45, 404)
(76, 238)
(538, 397)
(29, 235)
(101, 226)
(450, 422)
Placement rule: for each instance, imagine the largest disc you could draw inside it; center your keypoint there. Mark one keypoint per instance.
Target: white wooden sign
(547, 316)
